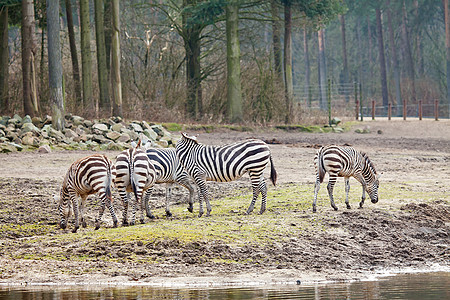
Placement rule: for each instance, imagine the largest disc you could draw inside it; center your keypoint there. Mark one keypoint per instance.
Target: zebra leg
(141, 205)
(146, 203)
(125, 199)
(347, 190)
(75, 211)
(187, 185)
(168, 196)
(361, 179)
(255, 187)
(102, 209)
(263, 189)
(113, 213)
(202, 194)
(82, 207)
(316, 191)
(331, 182)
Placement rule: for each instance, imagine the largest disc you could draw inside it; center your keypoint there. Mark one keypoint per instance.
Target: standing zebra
(169, 170)
(135, 173)
(342, 161)
(86, 176)
(226, 163)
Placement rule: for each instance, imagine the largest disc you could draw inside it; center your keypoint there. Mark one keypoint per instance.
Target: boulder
(150, 134)
(99, 139)
(124, 138)
(100, 127)
(70, 134)
(30, 140)
(17, 118)
(158, 129)
(36, 121)
(4, 120)
(2, 133)
(113, 135)
(7, 148)
(29, 127)
(44, 149)
(136, 127)
(76, 121)
(117, 127)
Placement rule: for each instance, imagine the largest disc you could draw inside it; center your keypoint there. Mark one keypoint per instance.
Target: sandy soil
(394, 234)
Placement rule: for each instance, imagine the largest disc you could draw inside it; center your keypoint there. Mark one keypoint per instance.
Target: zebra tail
(320, 167)
(133, 182)
(108, 184)
(273, 172)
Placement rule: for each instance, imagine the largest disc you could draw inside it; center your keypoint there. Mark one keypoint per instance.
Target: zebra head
(372, 188)
(63, 208)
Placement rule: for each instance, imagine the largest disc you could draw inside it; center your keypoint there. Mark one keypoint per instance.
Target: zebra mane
(369, 162)
(187, 137)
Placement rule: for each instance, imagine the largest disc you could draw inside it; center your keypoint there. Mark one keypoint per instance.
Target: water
(406, 286)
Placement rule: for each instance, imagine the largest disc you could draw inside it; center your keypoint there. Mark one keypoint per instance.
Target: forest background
(223, 61)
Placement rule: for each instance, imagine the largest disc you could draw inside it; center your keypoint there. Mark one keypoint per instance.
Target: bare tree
(73, 54)
(86, 62)
(55, 65)
(115, 60)
(447, 48)
(4, 59)
(102, 69)
(384, 89)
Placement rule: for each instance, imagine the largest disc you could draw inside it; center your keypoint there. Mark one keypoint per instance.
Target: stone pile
(17, 134)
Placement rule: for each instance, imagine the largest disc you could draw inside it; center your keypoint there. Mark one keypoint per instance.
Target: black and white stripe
(343, 161)
(86, 176)
(169, 171)
(136, 174)
(226, 163)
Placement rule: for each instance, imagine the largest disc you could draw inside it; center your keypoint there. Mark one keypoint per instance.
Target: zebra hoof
(190, 209)
(124, 224)
(168, 214)
(115, 224)
(142, 221)
(74, 230)
(348, 206)
(97, 227)
(84, 224)
(335, 208)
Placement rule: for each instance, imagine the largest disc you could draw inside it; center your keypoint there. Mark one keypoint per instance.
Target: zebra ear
(139, 144)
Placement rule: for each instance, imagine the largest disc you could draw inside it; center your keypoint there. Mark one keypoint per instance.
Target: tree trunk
(4, 60)
(447, 48)
(73, 54)
(288, 85)
(193, 72)
(384, 88)
(55, 65)
(108, 33)
(276, 33)
(344, 56)
(307, 65)
(28, 52)
(115, 60)
(86, 63)
(101, 57)
(419, 48)
(408, 53)
(234, 93)
(396, 67)
(322, 70)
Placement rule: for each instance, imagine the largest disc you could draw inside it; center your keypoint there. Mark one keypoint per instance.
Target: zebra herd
(138, 169)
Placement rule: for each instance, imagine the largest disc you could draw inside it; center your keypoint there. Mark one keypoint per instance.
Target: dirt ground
(407, 229)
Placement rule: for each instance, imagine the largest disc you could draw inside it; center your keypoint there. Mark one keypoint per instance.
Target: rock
(29, 127)
(99, 139)
(124, 138)
(136, 127)
(7, 148)
(338, 129)
(13, 122)
(4, 120)
(2, 133)
(76, 121)
(113, 135)
(100, 127)
(133, 135)
(44, 149)
(47, 120)
(30, 140)
(115, 146)
(88, 123)
(17, 118)
(70, 134)
(36, 121)
(26, 119)
(163, 143)
(150, 134)
(117, 127)
(16, 145)
(158, 129)
(145, 125)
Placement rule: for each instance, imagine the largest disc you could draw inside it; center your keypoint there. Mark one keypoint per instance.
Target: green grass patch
(173, 126)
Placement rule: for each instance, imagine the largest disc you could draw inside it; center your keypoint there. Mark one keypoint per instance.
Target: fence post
(389, 111)
(436, 110)
(420, 110)
(404, 109)
(329, 101)
(309, 96)
(373, 109)
(356, 101)
(360, 101)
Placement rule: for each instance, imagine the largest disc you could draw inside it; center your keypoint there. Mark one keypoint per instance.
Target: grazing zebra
(169, 170)
(86, 176)
(342, 161)
(226, 163)
(135, 173)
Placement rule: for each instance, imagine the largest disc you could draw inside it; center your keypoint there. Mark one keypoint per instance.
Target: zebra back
(223, 163)
(167, 165)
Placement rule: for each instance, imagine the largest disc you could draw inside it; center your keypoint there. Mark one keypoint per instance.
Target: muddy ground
(408, 228)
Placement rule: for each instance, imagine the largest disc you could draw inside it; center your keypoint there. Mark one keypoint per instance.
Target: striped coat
(89, 175)
(135, 174)
(343, 161)
(169, 171)
(226, 163)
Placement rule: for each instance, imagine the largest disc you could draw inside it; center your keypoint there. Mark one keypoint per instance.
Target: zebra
(135, 173)
(226, 163)
(86, 176)
(169, 170)
(344, 161)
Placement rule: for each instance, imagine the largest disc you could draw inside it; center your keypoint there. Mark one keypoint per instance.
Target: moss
(173, 126)
(301, 128)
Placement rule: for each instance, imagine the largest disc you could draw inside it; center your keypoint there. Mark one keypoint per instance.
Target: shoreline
(214, 282)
